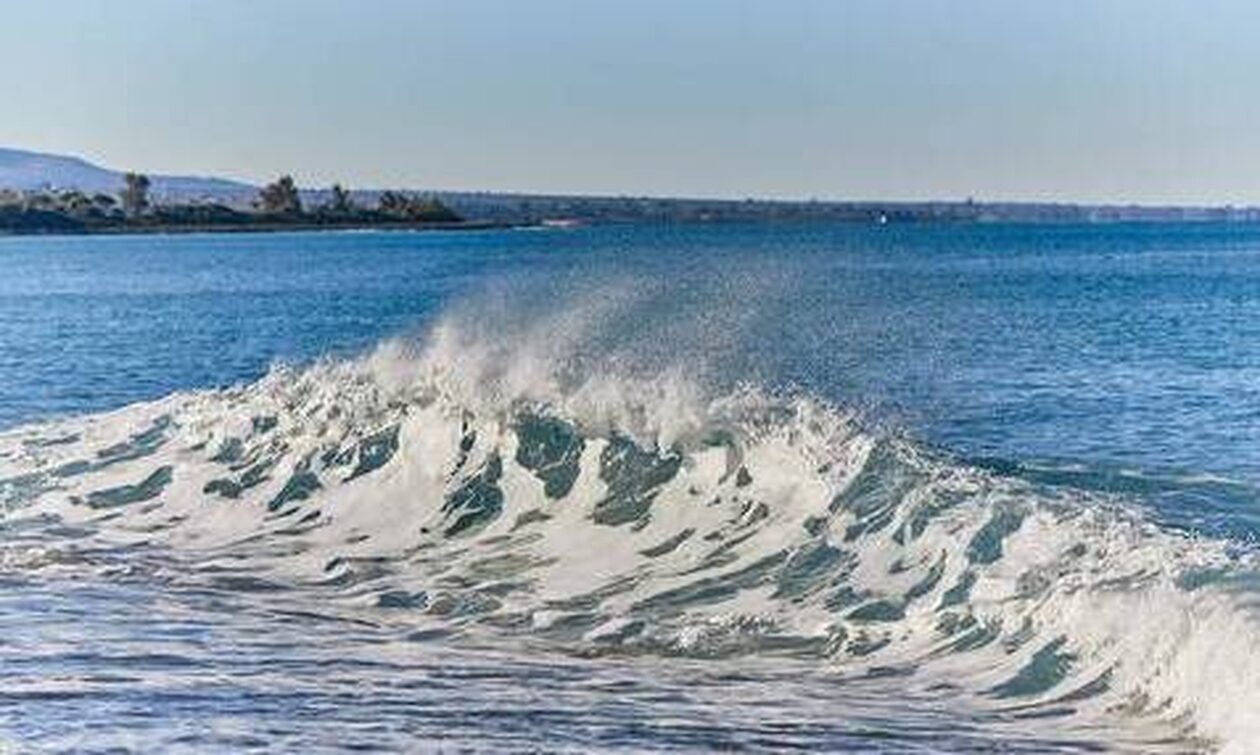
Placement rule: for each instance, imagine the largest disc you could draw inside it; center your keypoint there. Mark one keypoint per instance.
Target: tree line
(278, 203)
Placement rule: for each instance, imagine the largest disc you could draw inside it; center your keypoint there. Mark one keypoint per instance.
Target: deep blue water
(1110, 344)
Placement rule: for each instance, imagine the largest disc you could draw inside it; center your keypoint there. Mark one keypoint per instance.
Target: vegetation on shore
(141, 205)
(278, 207)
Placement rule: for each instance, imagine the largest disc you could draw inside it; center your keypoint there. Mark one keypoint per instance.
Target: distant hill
(32, 171)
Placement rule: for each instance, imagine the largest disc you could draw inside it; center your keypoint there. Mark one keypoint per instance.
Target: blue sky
(1134, 100)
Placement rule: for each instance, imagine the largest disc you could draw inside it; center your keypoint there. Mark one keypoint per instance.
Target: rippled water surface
(109, 666)
(914, 488)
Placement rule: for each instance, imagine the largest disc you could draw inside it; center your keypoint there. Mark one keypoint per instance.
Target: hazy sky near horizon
(1092, 100)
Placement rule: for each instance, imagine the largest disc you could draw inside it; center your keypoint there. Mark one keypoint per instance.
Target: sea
(921, 488)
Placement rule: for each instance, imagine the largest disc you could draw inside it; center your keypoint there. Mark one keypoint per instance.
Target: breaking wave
(482, 488)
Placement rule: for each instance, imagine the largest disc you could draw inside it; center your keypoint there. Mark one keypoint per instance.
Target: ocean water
(903, 488)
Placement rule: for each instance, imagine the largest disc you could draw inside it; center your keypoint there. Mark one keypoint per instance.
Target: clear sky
(1133, 100)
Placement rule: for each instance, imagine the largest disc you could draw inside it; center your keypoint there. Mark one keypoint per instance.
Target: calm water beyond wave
(901, 488)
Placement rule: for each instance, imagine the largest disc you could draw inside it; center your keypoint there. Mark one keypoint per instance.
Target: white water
(411, 487)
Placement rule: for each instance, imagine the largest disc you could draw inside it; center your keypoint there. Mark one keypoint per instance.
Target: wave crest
(487, 488)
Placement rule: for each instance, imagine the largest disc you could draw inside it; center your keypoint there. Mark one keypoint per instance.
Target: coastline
(262, 227)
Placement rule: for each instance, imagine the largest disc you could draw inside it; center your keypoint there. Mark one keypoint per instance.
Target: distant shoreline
(179, 229)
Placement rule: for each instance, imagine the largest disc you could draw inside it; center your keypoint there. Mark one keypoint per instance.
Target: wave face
(470, 488)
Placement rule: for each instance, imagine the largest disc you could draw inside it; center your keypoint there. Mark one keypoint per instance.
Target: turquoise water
(1004, 473)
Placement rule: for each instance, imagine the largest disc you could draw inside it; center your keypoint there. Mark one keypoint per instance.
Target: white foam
(1080, 571)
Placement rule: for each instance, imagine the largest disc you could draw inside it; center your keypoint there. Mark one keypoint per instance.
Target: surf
(492, 488)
